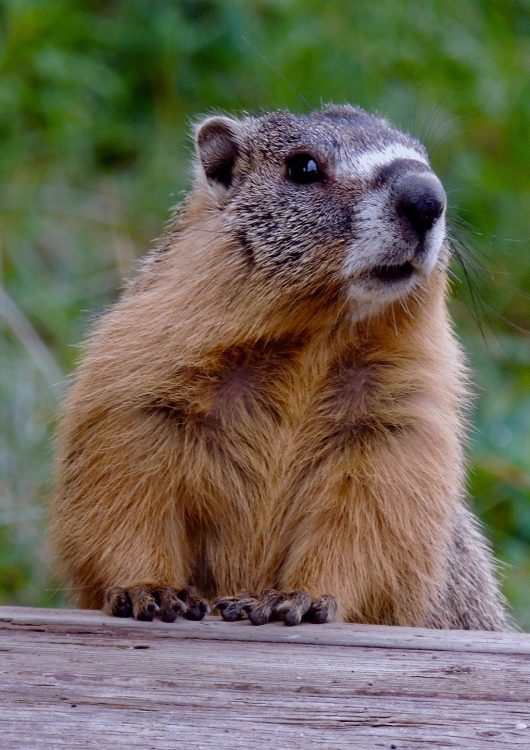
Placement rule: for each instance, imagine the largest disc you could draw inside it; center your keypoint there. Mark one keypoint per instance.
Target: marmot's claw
(196, 607)
(267, 607)
(149, 601)
(322, 610)
(235, 608)
(292, 607)
(118, 602)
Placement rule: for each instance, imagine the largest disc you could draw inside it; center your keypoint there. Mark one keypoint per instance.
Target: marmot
(271, 417)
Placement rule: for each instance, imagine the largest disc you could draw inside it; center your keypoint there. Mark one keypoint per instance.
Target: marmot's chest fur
(272, 413)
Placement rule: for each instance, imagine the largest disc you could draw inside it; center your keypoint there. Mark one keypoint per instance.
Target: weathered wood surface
(78, 679)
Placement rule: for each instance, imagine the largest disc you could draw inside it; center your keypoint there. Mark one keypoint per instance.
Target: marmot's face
(334, 197)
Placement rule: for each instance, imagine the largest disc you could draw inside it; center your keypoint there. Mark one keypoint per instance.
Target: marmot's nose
(420, 199)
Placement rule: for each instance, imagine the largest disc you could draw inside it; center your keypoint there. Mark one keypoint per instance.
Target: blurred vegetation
(95, 104)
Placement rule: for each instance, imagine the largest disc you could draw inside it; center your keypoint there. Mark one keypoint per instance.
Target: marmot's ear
(217, 148)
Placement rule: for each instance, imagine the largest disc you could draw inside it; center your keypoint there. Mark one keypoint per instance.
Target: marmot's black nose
(420, 199)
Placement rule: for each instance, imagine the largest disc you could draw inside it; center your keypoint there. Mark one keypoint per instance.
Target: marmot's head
(336, 198)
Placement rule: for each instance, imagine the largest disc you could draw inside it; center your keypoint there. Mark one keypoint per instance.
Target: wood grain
(78, 679)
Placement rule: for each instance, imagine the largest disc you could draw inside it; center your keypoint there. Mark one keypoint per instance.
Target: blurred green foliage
(96, 99)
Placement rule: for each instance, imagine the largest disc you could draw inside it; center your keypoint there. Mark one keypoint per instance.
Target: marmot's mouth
(393, 273)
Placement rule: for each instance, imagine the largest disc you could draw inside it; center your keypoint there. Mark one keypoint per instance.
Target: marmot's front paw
(149, 601)
(292, 608)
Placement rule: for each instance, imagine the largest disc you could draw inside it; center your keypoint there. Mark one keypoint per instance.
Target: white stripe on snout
(366, 164)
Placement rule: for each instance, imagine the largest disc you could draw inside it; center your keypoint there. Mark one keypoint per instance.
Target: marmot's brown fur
(272, 413)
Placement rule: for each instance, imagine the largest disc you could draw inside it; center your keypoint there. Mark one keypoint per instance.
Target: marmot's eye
(303, 169)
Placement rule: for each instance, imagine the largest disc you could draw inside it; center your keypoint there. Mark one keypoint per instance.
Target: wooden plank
(74, 679)
(213, 628)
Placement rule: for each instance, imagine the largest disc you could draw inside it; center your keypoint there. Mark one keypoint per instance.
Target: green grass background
(96, 99)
